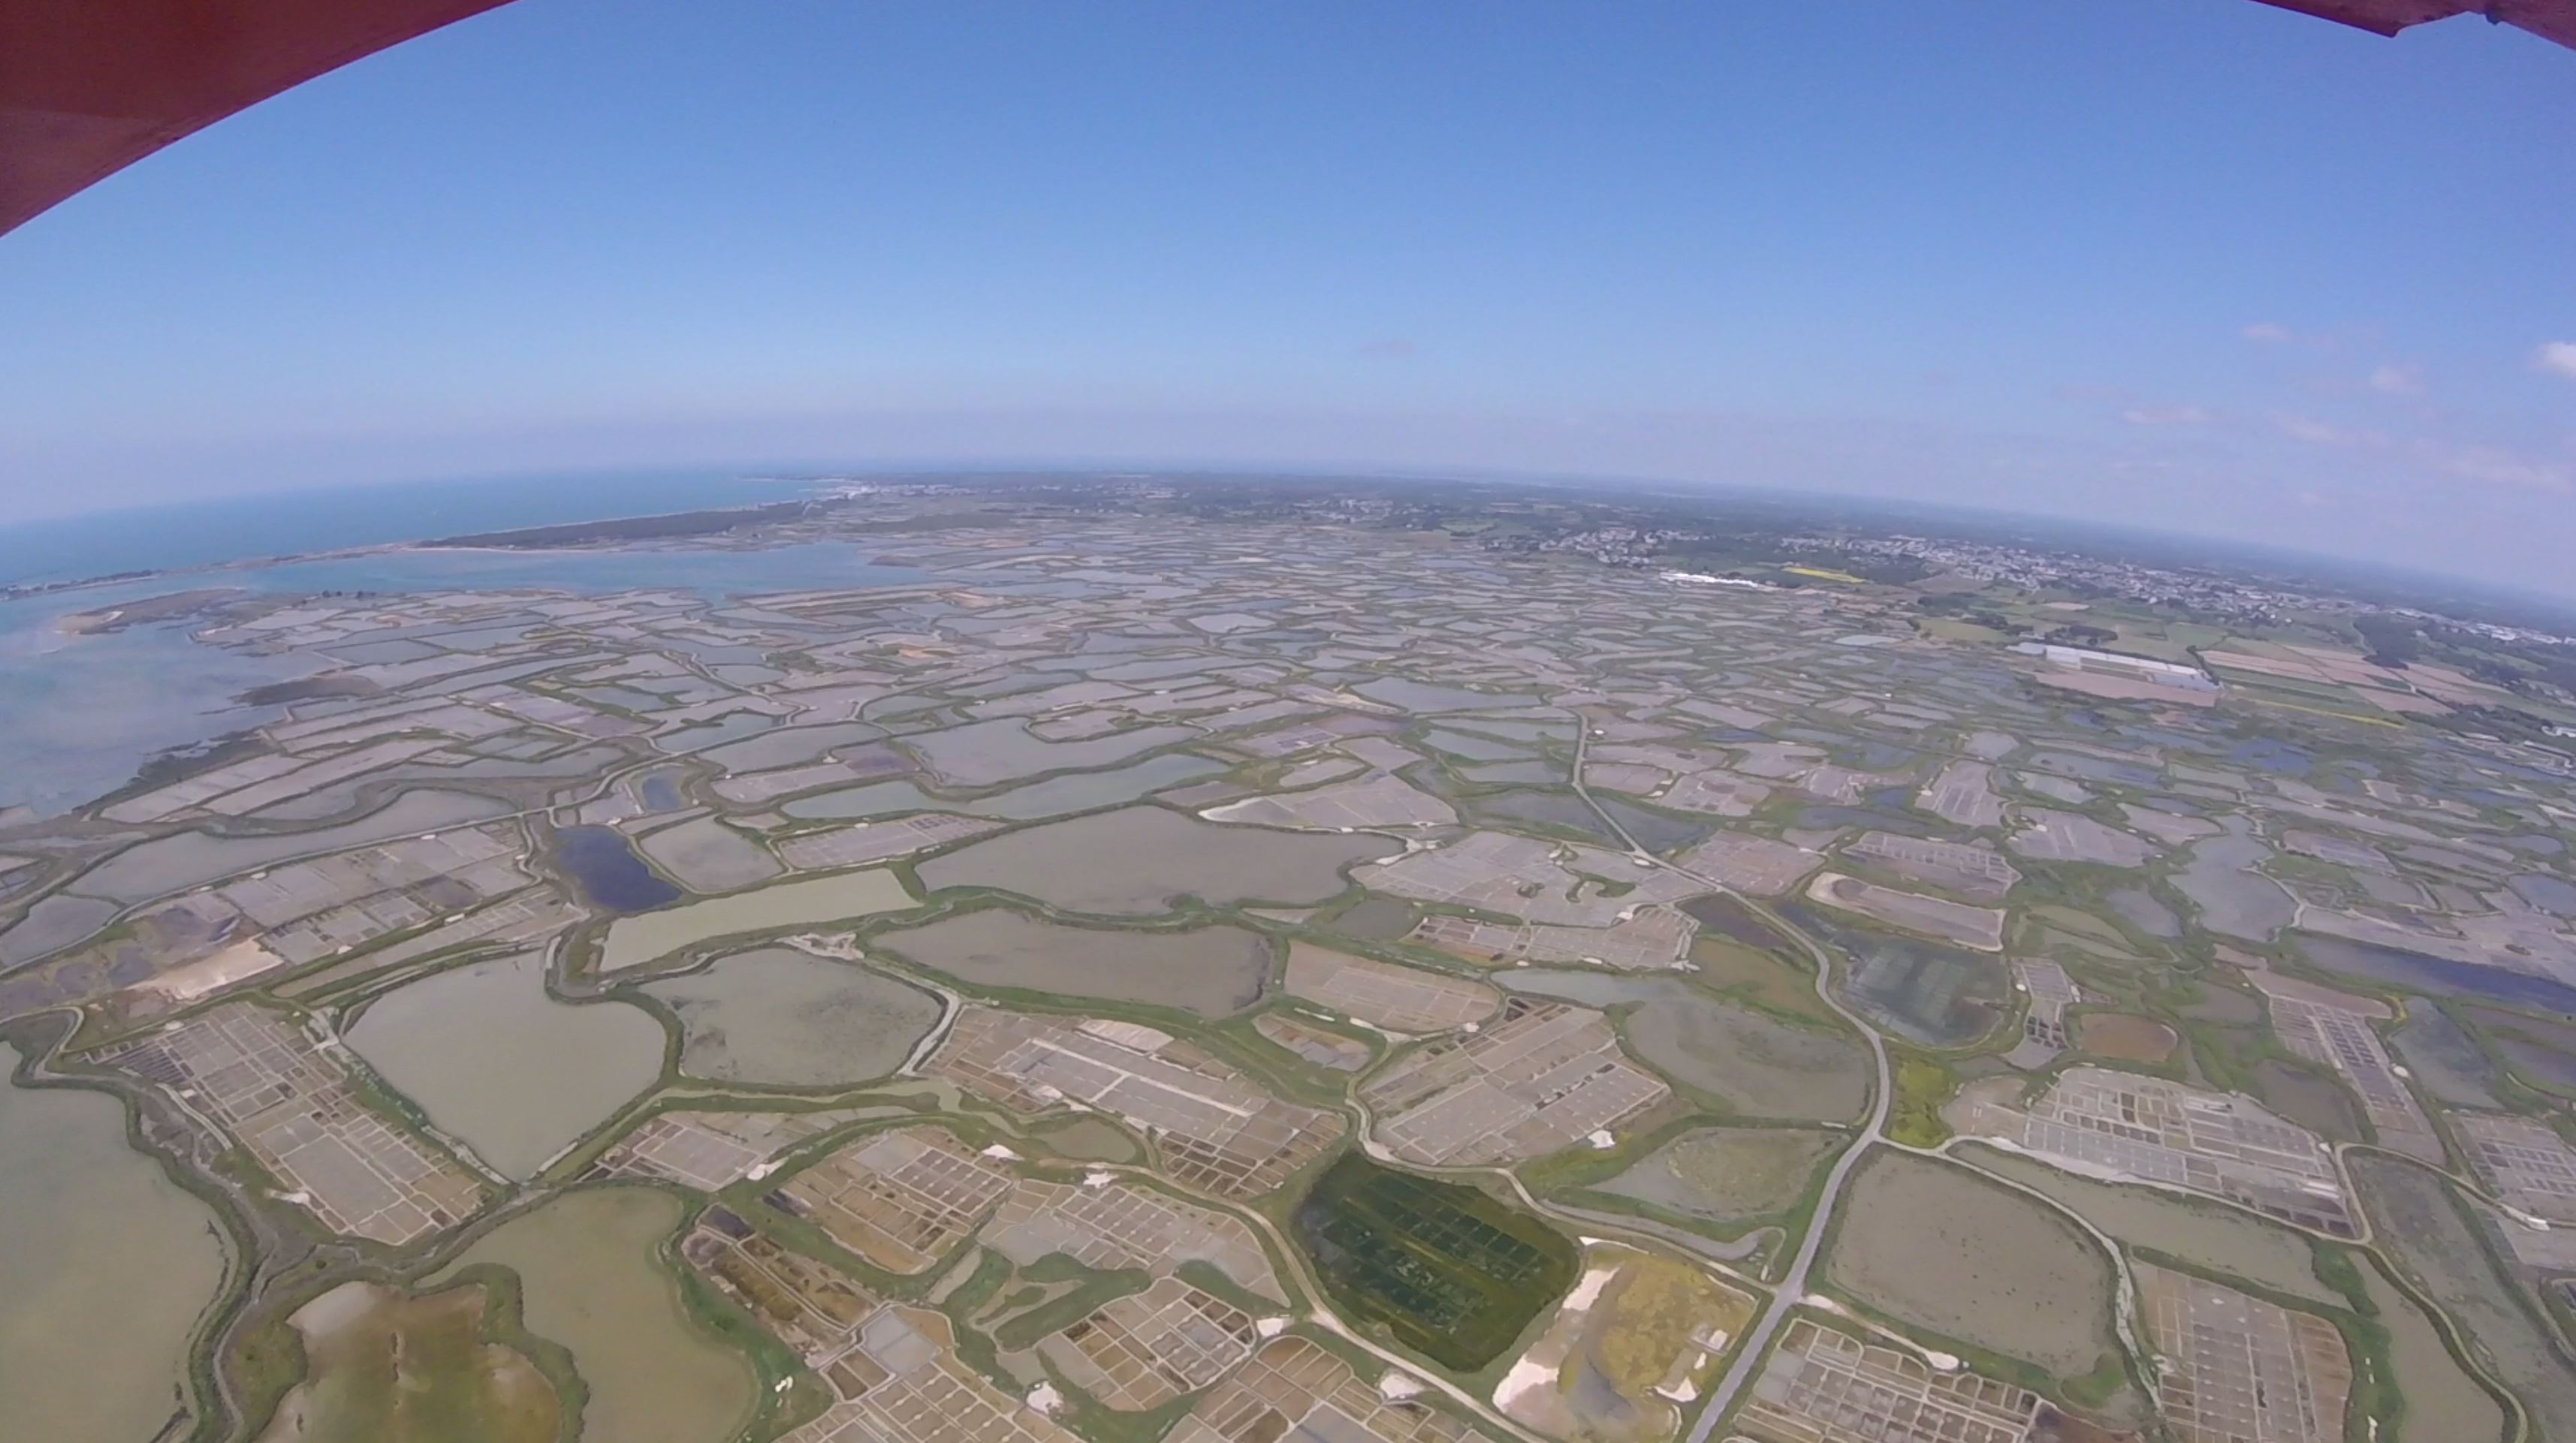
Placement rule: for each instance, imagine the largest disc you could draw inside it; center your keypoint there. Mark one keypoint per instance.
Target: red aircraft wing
(88, 87)
(2548, 19)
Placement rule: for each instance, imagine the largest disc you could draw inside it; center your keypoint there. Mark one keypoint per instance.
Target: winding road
(1793, 1285)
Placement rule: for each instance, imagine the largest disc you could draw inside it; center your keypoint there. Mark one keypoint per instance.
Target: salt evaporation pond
(609, 872)
(778, 1016)
(589, 1280)
(513, 1073)
(104, 1266)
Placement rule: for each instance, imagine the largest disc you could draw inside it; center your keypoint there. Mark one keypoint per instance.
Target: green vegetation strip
(1094, 1291)
(1922, 1087)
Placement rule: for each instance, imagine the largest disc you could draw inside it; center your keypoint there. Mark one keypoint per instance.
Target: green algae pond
(1442, 1268)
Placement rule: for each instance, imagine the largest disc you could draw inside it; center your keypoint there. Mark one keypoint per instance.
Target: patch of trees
(2495, 721)
(279, 693)
(1890, 570)
(1963, 606)
(2393, 640)
(2515, 665)
(1709, 551)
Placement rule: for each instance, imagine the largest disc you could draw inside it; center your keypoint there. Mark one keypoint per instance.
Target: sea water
(79, 714)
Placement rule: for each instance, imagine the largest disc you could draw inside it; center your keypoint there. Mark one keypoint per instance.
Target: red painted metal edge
(88, 87)
(2548, 19)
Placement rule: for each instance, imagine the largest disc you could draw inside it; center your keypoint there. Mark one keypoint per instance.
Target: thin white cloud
(2556, 356)
(2499, 467)
(2273, 333)
(2398, 380)
(2314, 431)
(2086, 393)
(2167, 416)
(2325, 433)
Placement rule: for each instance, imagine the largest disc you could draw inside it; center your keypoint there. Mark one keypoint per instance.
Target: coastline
(569, 537)
(49, 554)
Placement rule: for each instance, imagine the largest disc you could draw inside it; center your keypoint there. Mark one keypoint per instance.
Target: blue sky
(2198, 264)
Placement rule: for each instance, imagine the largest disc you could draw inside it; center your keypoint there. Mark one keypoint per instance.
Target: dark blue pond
(2439, 975)
(609, 872)
(2271, 755)
(2550, 894)
(2095, 769)
(2158, 736)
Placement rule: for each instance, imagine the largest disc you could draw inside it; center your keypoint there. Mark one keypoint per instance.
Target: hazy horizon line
(2323, 565)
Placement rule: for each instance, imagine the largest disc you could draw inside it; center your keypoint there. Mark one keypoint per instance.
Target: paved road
(1793, 1286)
